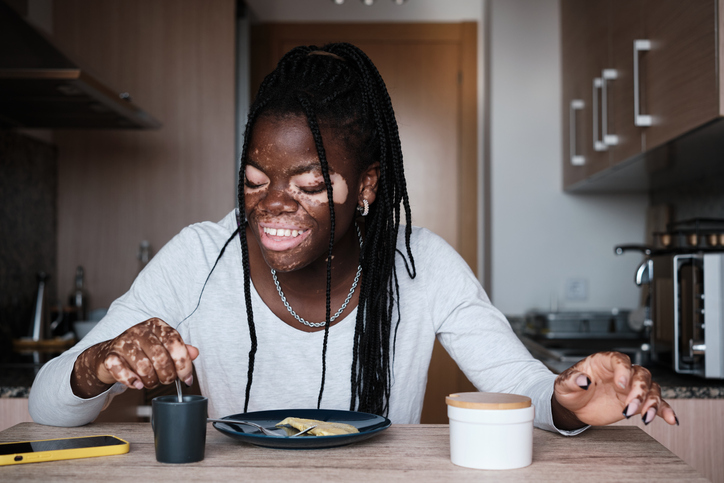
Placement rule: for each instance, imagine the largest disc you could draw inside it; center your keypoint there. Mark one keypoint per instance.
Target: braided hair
(338, 85)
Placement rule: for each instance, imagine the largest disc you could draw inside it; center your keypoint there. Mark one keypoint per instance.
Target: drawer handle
(607, 75)
(639, 46)
(598, 144)
(576, 159)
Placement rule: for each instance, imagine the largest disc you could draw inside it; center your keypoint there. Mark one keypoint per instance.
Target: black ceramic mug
(179, 428)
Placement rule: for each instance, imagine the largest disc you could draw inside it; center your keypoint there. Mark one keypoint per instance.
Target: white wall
(541, 236)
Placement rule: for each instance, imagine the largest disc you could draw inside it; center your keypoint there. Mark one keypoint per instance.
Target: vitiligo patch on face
(309, 181)
(255, 177)
(301, 184)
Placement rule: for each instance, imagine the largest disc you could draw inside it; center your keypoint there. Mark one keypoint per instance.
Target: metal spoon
(178, 390)
(266, 431)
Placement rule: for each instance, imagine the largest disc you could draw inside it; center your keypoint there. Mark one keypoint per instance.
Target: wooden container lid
(487, 400)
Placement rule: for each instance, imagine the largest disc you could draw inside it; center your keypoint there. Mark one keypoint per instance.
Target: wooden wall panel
(117, 188)
(13, 410)
(698, 440)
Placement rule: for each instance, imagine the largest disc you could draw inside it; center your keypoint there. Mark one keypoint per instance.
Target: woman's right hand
(146, 355)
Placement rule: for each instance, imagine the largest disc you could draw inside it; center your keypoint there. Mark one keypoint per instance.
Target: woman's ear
(368, 184)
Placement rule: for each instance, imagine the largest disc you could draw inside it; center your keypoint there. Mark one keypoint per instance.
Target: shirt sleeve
(168, 288)
(477, 335)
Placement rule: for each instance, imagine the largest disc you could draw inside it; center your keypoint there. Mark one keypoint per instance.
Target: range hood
(41, 88)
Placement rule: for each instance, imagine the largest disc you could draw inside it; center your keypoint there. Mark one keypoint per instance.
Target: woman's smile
(279, 238)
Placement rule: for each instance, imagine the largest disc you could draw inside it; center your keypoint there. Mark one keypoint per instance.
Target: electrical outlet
(576, 289)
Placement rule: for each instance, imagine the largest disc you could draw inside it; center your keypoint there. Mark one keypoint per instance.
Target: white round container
(490, 431)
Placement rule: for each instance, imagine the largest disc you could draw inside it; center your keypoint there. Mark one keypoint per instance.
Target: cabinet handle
(608, 139)
(598, 145)
(576, 159)
(639, 45)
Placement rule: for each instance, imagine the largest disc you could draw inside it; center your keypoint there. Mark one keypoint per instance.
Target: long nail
(189, 381)
(583, 382)
(677, 419)
(649, 416)
(632, 408)
(138, 384)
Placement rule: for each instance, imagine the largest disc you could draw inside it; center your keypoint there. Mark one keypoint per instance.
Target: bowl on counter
(82, 327)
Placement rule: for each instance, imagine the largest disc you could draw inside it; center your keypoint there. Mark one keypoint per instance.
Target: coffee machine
(684, 276)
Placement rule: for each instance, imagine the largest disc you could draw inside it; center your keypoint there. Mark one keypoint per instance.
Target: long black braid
(338, 85)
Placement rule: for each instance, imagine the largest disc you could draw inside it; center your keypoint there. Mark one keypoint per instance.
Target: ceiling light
(338, 2)
(368, 2)
(399, 2)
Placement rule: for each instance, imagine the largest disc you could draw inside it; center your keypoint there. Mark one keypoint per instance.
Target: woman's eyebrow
(306, 168)
(253, 164)
(295, 171)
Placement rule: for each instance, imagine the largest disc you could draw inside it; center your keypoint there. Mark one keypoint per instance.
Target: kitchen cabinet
(584, 49)
(680, 88)
(13, 410)
(699, 438)
(636, 74)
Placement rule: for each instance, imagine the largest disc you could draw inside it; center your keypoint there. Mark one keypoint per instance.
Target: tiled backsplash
(28, 228)
(701, 199)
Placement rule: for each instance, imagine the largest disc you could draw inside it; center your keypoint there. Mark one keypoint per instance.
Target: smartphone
(60, 449)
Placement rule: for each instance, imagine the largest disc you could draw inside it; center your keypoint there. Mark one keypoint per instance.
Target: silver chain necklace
(341, 309)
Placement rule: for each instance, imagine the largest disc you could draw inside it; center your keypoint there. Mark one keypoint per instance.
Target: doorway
(431, 74)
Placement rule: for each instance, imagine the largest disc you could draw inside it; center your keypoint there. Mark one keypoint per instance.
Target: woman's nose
(279, 201)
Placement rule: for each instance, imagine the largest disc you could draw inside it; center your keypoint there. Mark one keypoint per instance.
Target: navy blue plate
(367, 424)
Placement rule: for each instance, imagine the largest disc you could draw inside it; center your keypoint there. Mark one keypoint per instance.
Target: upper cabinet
(585, 50)
(681, 88)
(636, 74)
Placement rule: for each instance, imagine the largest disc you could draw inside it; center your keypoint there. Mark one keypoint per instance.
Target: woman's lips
(279, 239)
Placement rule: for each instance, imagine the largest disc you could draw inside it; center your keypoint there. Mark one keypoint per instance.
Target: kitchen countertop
(417, 452)
(16, 379)
(673, 385)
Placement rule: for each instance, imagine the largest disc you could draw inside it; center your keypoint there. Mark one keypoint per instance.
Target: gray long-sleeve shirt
(445, 301)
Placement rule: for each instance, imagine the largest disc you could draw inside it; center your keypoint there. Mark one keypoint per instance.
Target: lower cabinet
(699, 438)
(13, 410)
(124, 408)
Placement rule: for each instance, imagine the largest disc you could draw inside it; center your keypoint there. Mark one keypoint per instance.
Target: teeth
(283, 232)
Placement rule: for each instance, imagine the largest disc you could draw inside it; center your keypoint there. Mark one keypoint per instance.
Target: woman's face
(285, 196)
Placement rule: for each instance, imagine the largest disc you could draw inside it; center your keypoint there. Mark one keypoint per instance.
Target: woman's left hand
(605, 387)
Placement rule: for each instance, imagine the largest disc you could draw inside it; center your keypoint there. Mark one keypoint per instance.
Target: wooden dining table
(415, 452)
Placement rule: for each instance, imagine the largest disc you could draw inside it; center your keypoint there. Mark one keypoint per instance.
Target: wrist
(563, 418)
(85, 380)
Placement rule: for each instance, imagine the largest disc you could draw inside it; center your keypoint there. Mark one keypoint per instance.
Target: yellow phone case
(63, 454)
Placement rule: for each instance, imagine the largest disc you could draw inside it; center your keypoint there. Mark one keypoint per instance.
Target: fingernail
(632, 408)
(138, 384)
(622, 383)
(583, 381)
(677, 419)
(649, 416)
(189, 381)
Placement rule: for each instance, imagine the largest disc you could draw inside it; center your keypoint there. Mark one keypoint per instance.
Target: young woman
(313, 294)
